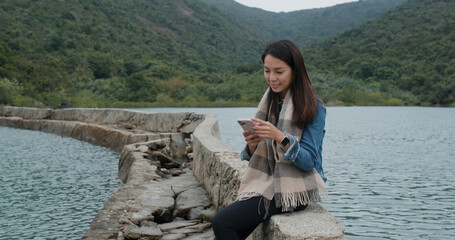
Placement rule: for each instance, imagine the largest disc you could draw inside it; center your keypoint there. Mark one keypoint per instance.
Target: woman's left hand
(267, 130)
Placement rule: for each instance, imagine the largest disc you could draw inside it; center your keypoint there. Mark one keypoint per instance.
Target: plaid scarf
(271, 176)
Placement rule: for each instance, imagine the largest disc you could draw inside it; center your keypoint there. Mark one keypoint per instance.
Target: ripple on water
(391, 178)
(52, 187)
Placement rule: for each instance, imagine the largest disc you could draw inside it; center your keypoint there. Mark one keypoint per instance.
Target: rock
(165, 161)
(120, 236)
(201, 226)
(179, 219)
(137, 217)
(182, 183)
(151, 232)
(155, 196)
(156, 145)
(141, 148)
(163, 216)
(208, 214)
(142, 170)
(130, 232)
(131, 206)
(184, 231)
(189, 146)
(174, 225)
(174, 214)
(176, 172)
(195, 213)
(187, 165)
(191, 199)
(178, 147)
(146, 223)
(198, 228)
(174, 236)
(124, 220)
(207, 235)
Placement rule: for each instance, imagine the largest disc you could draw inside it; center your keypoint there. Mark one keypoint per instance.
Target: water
(52, 187)
(389, 169)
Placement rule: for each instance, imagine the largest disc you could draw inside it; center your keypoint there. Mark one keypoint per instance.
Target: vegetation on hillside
(306, 27)
(91, 53)
(186, 53)
(408, 53)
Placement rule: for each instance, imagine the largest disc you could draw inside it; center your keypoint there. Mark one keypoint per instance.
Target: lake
(52, 187)
(389, 170)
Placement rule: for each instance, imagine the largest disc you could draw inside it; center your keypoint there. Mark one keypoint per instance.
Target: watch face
(285, 141)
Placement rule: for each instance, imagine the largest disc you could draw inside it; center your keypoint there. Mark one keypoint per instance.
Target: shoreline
(123, 105)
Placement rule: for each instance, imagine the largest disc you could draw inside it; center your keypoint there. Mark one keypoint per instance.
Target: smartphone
(246, 124)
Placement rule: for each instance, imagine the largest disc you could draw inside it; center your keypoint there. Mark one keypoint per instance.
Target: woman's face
(278, 74)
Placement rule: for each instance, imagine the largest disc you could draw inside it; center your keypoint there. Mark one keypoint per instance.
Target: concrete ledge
(153, 122)
(25, 112)
(220, 169)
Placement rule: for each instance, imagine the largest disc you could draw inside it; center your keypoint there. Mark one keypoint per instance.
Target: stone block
(130, 232)
(178, 147)
(166, 227)
(32, 125)
(181, 183)
(315, 222)
(58, 127)
(190, 199)
(207, 235)
(174, 236)
(208, 214)
(138, 217)
(125, 162)
(25, 112)
(141, 169)
(195, 213)
(101, 135)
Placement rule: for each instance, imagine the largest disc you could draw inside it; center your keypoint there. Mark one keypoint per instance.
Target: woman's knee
(217, 221)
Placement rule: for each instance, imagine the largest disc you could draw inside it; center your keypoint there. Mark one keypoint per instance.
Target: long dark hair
(303, 95)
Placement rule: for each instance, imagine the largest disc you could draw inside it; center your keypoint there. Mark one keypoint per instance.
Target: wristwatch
(285, 141)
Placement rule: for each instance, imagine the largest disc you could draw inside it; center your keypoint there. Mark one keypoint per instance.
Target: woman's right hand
(252, 139)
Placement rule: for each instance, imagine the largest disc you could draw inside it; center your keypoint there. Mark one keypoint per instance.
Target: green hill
(79, 52)
(187, 52)
(407, 53)
(306, 26)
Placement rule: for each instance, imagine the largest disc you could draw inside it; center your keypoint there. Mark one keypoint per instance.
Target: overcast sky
(290, 5)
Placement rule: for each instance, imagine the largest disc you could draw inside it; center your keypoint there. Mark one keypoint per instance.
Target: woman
(284, 151)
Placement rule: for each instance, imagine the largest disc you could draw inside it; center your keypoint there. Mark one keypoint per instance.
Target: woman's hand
(266, 130)
(252, 139)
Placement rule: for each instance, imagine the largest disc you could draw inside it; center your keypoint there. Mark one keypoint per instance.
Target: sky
(290, 5)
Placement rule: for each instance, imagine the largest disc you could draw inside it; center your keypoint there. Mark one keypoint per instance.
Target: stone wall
(217, 167)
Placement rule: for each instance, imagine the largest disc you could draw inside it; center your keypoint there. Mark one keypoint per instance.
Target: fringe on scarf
(289, 201)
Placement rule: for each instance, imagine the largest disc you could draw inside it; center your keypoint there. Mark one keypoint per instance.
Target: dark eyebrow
(278, 68)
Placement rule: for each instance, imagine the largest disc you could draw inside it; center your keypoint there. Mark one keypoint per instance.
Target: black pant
(239, 219)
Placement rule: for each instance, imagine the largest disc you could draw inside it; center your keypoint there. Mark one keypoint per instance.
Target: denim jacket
(306, 154)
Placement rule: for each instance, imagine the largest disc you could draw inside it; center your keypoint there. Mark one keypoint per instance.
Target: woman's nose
(272, 77)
